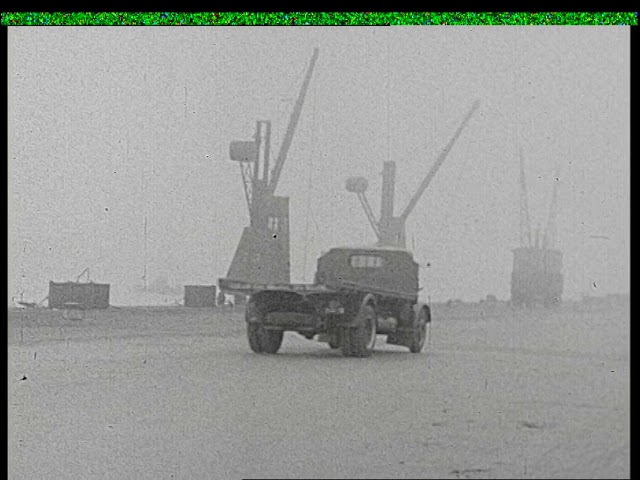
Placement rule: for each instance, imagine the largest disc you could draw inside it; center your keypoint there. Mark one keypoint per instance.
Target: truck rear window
(366, 261)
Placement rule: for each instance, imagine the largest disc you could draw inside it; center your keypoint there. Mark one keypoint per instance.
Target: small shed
(200, 296)
(82, 296)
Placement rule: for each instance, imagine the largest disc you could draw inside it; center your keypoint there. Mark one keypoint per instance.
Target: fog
(109, 125)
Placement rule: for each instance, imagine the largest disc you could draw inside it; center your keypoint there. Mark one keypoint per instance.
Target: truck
(357, 294)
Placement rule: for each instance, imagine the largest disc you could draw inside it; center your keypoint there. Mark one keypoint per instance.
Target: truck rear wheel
(359, 341)
(261, 340)
(335, 340)
(420, 333)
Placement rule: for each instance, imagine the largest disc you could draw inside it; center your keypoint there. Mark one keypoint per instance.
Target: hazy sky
(109, 124)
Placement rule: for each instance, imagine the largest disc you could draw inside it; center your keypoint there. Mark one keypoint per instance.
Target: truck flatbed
(246, 288)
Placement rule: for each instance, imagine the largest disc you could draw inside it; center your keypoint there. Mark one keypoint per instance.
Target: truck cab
(385, 269)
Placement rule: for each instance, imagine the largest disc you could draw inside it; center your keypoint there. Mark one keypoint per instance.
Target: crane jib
(425, 183)
(293, 122)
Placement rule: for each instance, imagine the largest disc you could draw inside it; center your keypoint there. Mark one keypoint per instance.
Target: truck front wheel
(360, 340)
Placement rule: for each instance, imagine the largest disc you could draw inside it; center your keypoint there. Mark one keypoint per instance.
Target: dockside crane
(263, 253)
(390, 230)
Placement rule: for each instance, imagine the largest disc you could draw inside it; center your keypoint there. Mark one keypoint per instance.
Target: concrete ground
(176, 393)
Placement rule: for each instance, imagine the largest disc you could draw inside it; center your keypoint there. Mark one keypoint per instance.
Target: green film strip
(320, 18)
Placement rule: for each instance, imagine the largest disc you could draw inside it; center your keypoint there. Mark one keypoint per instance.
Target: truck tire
(261, 340)
(335, 340)
(359, 341)
(420, 333)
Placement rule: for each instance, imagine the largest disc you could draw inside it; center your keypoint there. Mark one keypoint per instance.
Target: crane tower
(263, 255)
